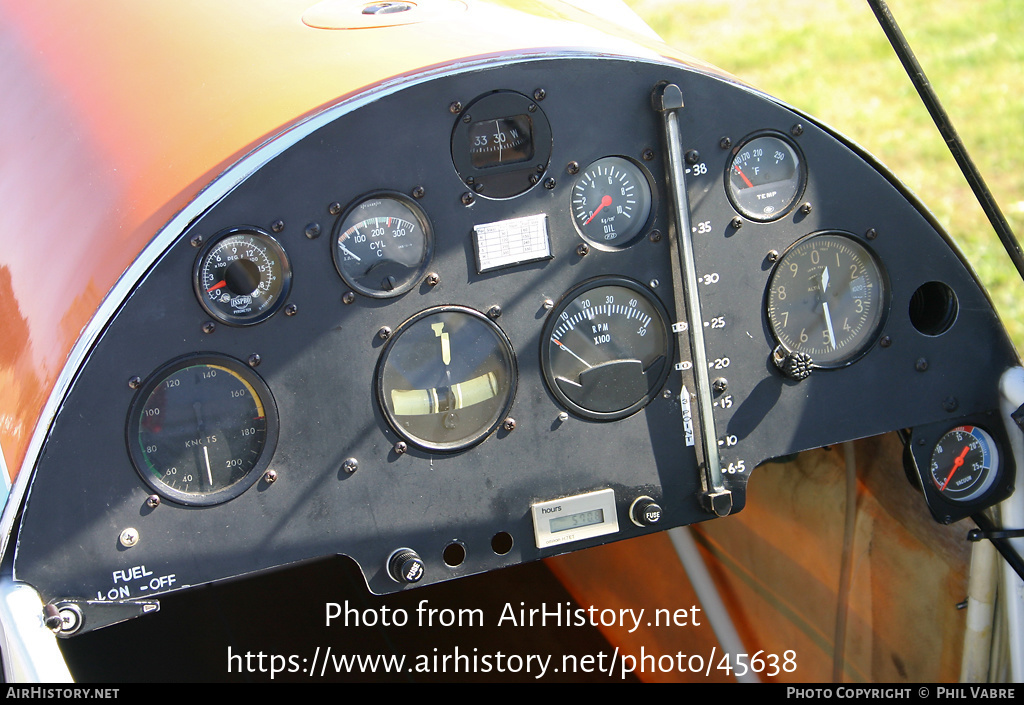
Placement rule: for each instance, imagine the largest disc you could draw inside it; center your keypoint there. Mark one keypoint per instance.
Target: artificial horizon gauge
(765, 177)
(382, 244)
(611, 202)
(242, 277)
(446, 378)
(964, 463)
(202, 429)
(827, 298)
(605, 348)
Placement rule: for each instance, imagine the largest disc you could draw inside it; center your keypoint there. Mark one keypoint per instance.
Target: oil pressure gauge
(611, 202)
(605, 348)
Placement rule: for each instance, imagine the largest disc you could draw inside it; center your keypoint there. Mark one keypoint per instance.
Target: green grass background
(831, 59)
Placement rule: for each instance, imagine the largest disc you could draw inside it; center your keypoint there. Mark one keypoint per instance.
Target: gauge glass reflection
(605, 348)
(201, 430)
(446, 378)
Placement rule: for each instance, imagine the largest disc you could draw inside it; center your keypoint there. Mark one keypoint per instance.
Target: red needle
(606, 200)
(743, 176)
(216, 286)
(957, 464)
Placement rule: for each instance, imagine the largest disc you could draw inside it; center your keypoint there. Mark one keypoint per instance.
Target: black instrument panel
(481, 316)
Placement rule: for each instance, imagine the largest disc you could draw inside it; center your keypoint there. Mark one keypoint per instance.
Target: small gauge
(446, 378)
(202, 429)
(382, 245)
(826, 298)
(611, 202)
(605, 348)
(964, 463)
(242, 277)
(765, 177)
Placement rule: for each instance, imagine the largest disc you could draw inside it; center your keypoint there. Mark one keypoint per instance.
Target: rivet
(950, 403)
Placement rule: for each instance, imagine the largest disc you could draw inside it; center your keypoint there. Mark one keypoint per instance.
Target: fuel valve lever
(668, 100)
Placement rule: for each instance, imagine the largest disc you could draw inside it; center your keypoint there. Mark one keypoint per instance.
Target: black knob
(645, 511)
(405, 566)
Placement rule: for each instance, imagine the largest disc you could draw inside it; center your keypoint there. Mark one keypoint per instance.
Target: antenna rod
(949, 134)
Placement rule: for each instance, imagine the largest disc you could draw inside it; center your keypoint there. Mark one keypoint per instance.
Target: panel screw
(270, 477)
(549, 183)
(725, 143)
(129, 537)
(196, 240)
(648, 154)
(348, 297)
(885, 342)
(582, 249)
(921, 365)
(384, 333)
(796, 130)
(573, 168)
(467, 198)
(692, 157)
(350, 465)
(773, 255)
(401, 447)
(720, 385)
(509, 424)
(655, 236)
(950, 403)
(479, 187)
(134, 382)
(254, 360)
(277, 226)
(153, 501)
(563, 416)
(549, 304)
(654, 283)
(418, 192)
(433, 279)
(667, 394)
(540, 94)
(494, 311)
(455, 108)
(532, 108)
(313, 231)
(467, 119)
(871, 234)
(209, 327)
(334, 208)
(534, 179)
(291, 310)
(805, 208)
(736, 223)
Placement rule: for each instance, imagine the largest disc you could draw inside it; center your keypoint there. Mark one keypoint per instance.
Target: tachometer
(382, 245)
(202, 429)
(605, 348)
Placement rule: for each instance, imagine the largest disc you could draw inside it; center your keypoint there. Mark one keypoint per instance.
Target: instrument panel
(449, 348)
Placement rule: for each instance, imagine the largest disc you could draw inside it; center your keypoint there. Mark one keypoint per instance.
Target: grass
(831, 59)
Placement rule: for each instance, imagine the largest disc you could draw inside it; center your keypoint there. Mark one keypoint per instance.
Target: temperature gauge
(765, 178)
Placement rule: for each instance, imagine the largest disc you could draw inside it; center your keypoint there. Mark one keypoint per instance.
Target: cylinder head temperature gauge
(242, 277)
(605, 349)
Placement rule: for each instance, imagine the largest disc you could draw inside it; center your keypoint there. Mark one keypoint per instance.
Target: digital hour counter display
(584, 516)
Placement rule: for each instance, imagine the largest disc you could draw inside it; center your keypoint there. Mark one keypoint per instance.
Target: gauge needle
(824, 305)
(743, 176)
(606, 201)
(957, 464)
(347, 251)
(570, 351)
(209, 472)
(216, 286)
